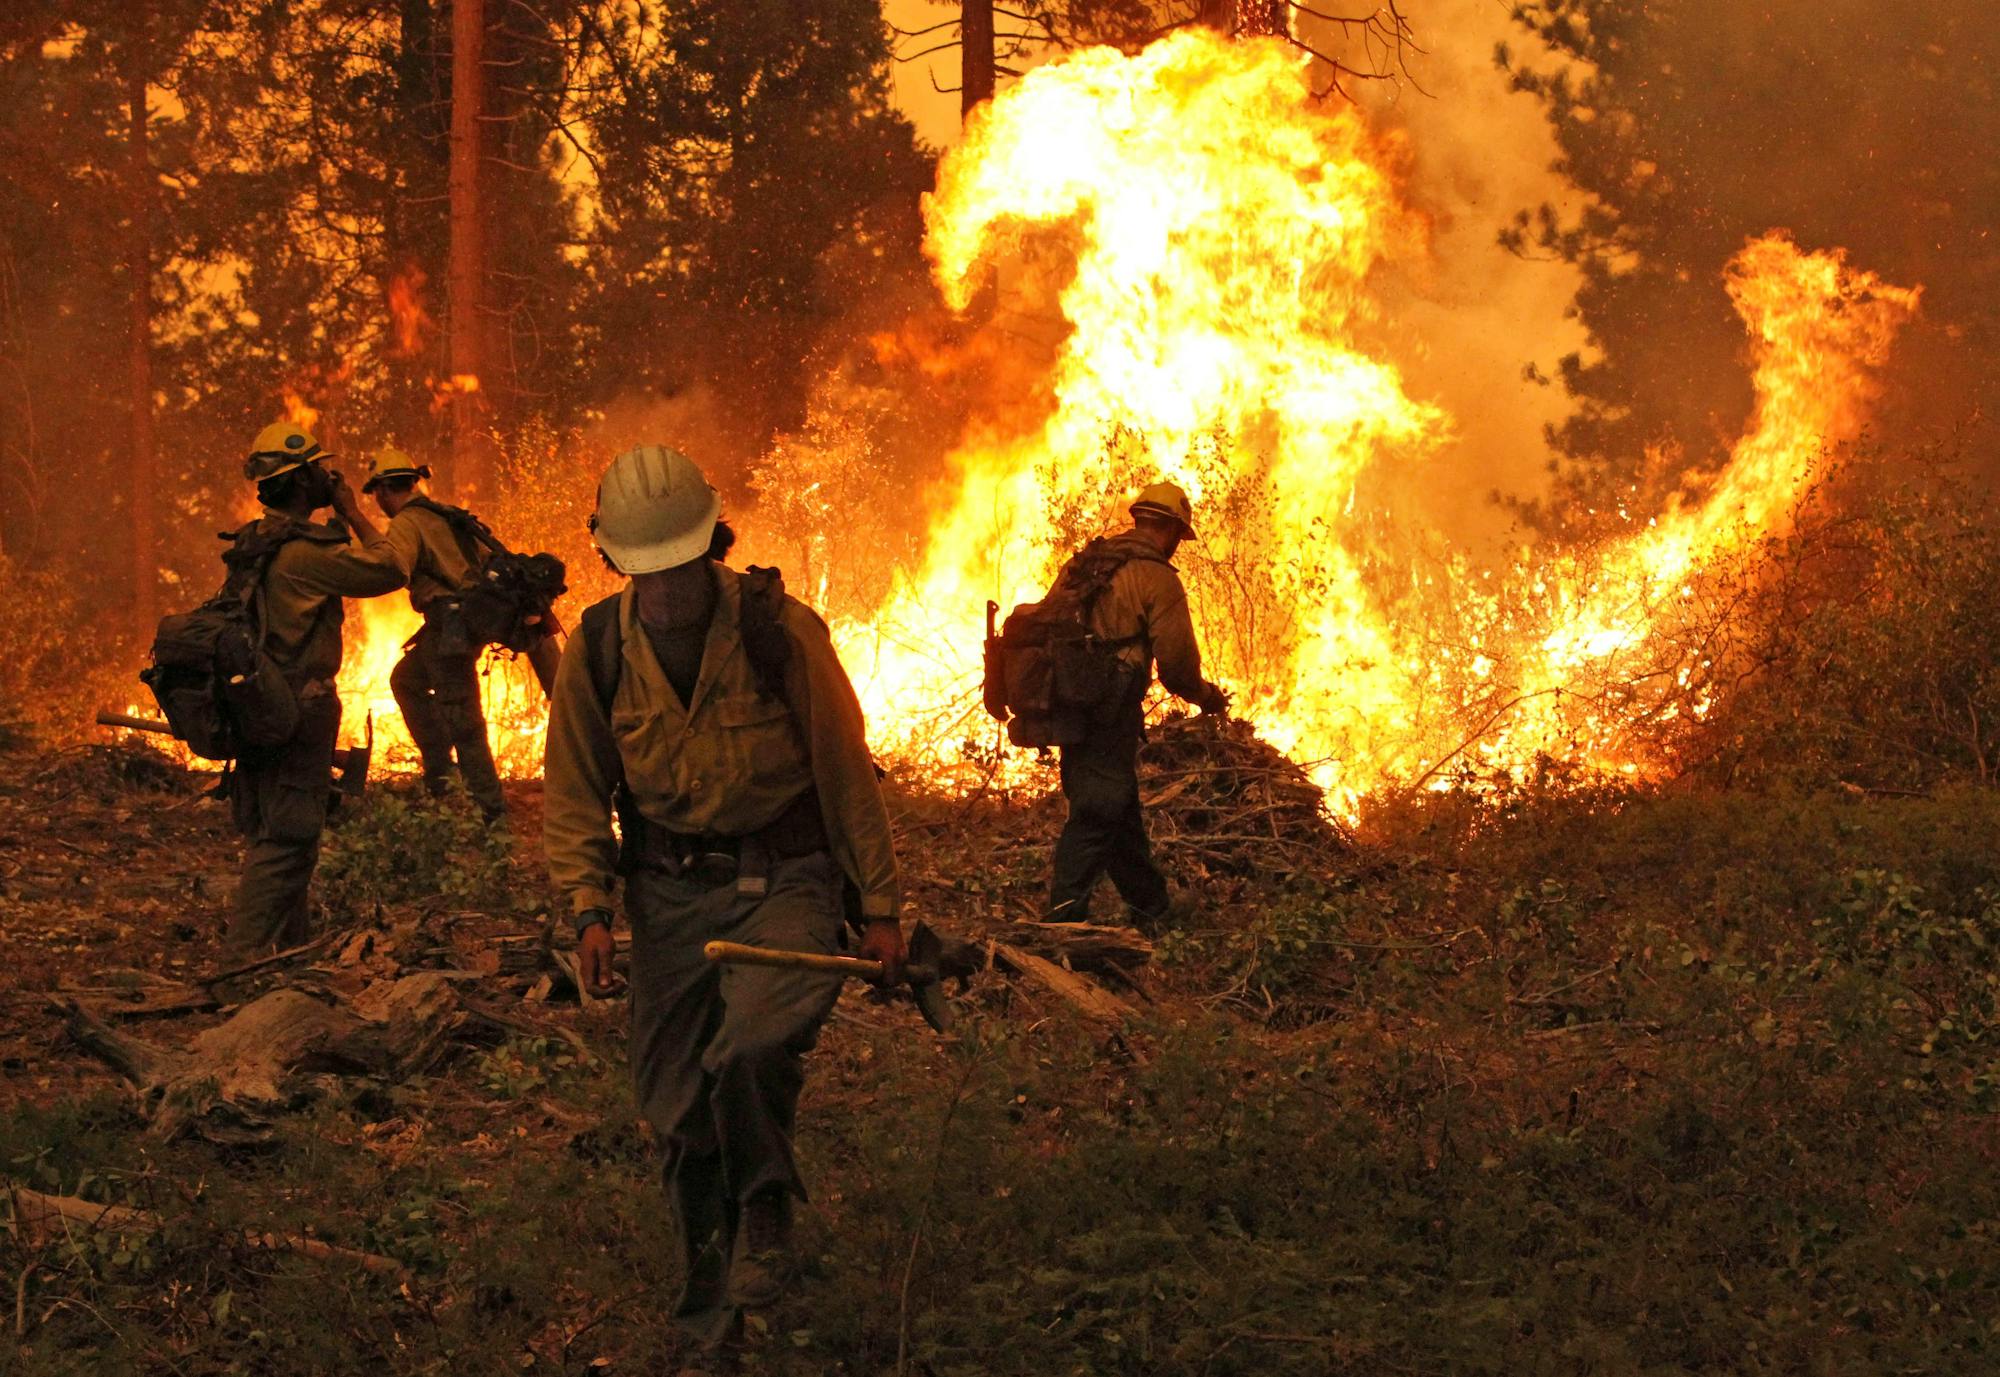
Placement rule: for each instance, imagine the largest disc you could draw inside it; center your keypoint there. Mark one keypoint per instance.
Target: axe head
(350, 766)
(923, 970)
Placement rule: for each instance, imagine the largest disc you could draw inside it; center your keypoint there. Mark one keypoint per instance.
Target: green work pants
(278, 796)
(1105, 833)
(718, 1051)
(438, 692)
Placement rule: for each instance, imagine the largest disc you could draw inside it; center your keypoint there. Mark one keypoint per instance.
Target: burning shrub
(547, 488)
(831, 495)
(1863, 649)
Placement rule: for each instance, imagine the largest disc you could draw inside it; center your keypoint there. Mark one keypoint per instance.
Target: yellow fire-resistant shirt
(727, 764)
(304, 585)
(1145, 600)
(429, 553)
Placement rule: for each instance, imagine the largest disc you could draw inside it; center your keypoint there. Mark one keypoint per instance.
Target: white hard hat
(654, 510)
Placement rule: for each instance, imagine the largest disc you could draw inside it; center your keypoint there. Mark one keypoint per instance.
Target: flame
(374, 634)
(408, 320)
(1216, 228)
(457, 385)
(1220, 227)
(299, 412)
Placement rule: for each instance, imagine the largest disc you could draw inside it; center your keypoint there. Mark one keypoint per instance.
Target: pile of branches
(1224, 802)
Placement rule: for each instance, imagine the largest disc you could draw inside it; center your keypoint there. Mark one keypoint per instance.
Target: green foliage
(1927, 978)
(1293, 949)
(523, 1065)
(401, 846)
(1202, 1214)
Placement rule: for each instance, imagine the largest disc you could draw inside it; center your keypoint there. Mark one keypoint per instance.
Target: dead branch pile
(1220, 801)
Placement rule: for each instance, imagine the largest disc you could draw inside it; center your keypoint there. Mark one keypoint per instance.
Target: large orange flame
(1218, 227)
(1210, 230)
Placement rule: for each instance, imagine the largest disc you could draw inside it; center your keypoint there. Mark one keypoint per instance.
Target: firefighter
(279, 794)
(749, 810)
(436, 683)
(1144, 610)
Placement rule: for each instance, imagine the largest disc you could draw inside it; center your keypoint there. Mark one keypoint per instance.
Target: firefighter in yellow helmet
(749, 810)
(439, 549)
(1144, 610)
(279, 793)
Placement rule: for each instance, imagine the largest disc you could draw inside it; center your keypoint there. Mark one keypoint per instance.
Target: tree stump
(231, 1083)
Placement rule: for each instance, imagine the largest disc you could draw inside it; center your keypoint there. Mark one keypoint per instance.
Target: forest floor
(1563, 1082)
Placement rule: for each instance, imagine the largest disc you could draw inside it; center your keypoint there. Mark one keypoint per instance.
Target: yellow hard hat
(279, 448)
(1165, 499)
(391, 462)
(654, 510)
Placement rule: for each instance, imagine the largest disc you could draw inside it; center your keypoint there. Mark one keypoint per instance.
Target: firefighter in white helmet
(712, 713)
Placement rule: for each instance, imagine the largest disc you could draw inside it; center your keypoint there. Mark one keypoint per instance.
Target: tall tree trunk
(143, 487)
(975, 34)
(468, 267)
(1247, 17)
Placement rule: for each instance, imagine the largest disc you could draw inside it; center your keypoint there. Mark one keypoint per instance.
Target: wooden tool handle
(137, 724)
(736, 954)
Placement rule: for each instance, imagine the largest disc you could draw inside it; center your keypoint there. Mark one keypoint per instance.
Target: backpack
(1049, 676)
(218, 688)
(510, 601)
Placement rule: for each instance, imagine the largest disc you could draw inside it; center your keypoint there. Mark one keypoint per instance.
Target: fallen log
(1082, 993)
(132, 993)
(38, 1215)
(1082, 946)
(232, 1081)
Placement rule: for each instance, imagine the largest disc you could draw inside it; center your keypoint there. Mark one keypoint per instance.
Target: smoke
(1467, 321)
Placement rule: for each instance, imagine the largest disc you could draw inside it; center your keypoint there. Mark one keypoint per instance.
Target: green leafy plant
(402, 847)
(522, 1065)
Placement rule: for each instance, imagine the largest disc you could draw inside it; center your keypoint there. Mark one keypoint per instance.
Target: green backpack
(1049, 676)
(218, 688)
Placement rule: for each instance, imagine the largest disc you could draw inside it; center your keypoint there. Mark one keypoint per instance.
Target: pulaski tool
(922, 972)
(348, 776)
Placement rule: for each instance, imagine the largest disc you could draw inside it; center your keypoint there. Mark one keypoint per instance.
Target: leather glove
(882, 940)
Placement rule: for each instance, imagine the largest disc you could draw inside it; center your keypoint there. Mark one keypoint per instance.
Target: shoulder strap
(1092, 568)
(760, 623)
(1090, 571)
(466, 526)
(604, 648)
(248, 559)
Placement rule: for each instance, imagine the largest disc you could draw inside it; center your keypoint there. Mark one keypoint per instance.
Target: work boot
(762, 1267)
(1173, 915)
